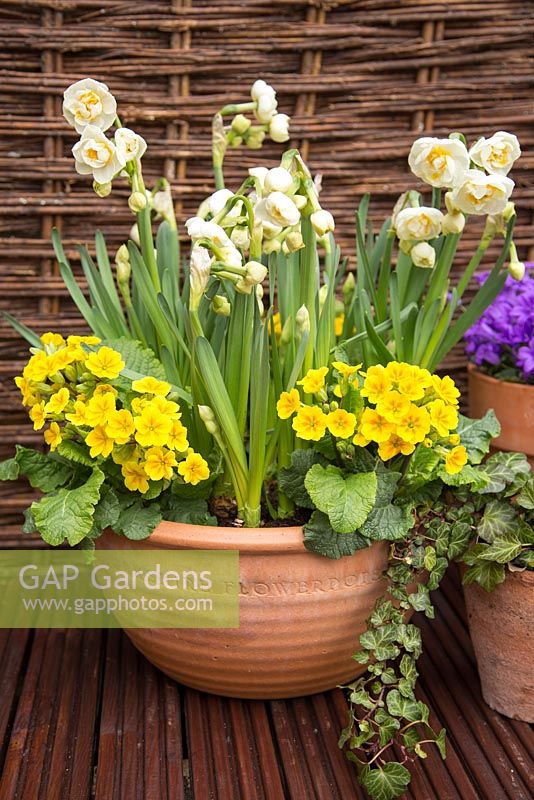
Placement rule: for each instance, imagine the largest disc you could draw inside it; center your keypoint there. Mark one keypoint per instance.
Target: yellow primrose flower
(341, 423)
(288, 404)
(58, 401)
(454, 439)
(393, 406)
(455, 460)
(105, 363)
(151, 385)
(135, 477)
(152, 428)
(99, 442)
(338, 324)
(37, 369)
(310, 423)
(38, 416)
(60, 360)
(444, 418)
(313, 381)
(177, 438)
(76, 353)
(52, 338)
(397, 371)
(138, 404)
(28, 397)
(427, 442)
(277, 324)
(374, 426)
(393, 447)
(90, 340)
(376, 384)
(79, 416)
(345, 369)
(445, 388)
(104, 388)
(100, 408)
(414, 426)
(414, 383)
(53, 436)
(158, 463)
(166, 407)
(120, 426)
(194, 469)
(360, 441)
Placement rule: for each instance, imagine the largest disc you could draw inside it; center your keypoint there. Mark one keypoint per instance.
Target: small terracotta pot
(501, 624)
(513, 404)
(292, 640)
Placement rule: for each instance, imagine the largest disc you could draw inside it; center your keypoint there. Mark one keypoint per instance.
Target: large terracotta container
(513, 404)
(292, 640)
(501, 624)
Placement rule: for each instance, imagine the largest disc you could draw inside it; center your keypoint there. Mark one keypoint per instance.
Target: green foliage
(385, 782)
(319, 537)
(476, 435)
(137, 521)
(387, 520)
(346, 499)
(291, 479)
(68, 513)
(137, 358)
(44, 472)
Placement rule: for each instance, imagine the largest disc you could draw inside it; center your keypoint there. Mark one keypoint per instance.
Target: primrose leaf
(319, 537)
(43, 471)
(137, 522)
(291, 479)
(9, 470)
(68, 514)
(137, 358)
(347, 499)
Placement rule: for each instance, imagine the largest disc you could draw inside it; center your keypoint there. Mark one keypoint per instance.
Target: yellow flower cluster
(136, 424)
(403, 406)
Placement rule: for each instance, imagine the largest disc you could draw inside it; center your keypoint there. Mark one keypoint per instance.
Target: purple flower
(502, 340)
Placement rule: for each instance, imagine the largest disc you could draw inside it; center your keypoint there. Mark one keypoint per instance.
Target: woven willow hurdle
(360, 79)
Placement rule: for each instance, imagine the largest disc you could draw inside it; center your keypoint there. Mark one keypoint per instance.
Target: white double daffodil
(482, 194)
(439, 162)
(96, 155)
(89, 102)
(497, 154)
(419, 224)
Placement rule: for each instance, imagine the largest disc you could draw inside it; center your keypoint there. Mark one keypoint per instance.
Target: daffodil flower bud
(453, 223)
(279, 128)
(199, 275)
(323, 294)
(509, 211)
(208, 418)
(162, 203)
(423, 255)
(137, 202)
(221, 305)
(240, 124)
(255, 138)
(102, 189)
(302, 319)
(240, 236)
(294, 241)
(322, 222)
(256, 272)
(300, 200)
(348, 287)
(234, 140)
(122, 261)
(134, 234)
(278, 179)
(271, 246)
(516, 268)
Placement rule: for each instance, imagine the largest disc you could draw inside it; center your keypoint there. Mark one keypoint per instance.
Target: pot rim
(473, 371)
(208, 537)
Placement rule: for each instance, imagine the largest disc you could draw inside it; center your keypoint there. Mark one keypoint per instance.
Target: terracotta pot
(292, 641)
(502, 630)
(513, 404)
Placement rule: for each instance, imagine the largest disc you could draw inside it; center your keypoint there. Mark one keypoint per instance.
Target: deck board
(83, 716)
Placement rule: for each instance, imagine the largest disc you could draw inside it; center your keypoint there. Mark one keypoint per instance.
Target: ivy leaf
(476, 434)
(68, 514)
(420, 600)
(43, 471)
(487, 573)
(381, 642)
(498, 519)
(388, 727)
(291, 479)
(502, 550)
(347, 499)
(29, 525)
(525, 498)
(137, 521)
(385, 782)
(460, 534)
(408, 668)
(9, 470)
(137, 358)
(503, 469)
(319, 537)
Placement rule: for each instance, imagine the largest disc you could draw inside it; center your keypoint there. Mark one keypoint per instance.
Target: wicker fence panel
(360, 79)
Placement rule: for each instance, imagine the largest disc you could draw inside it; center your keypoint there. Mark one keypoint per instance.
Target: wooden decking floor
(83, 715)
